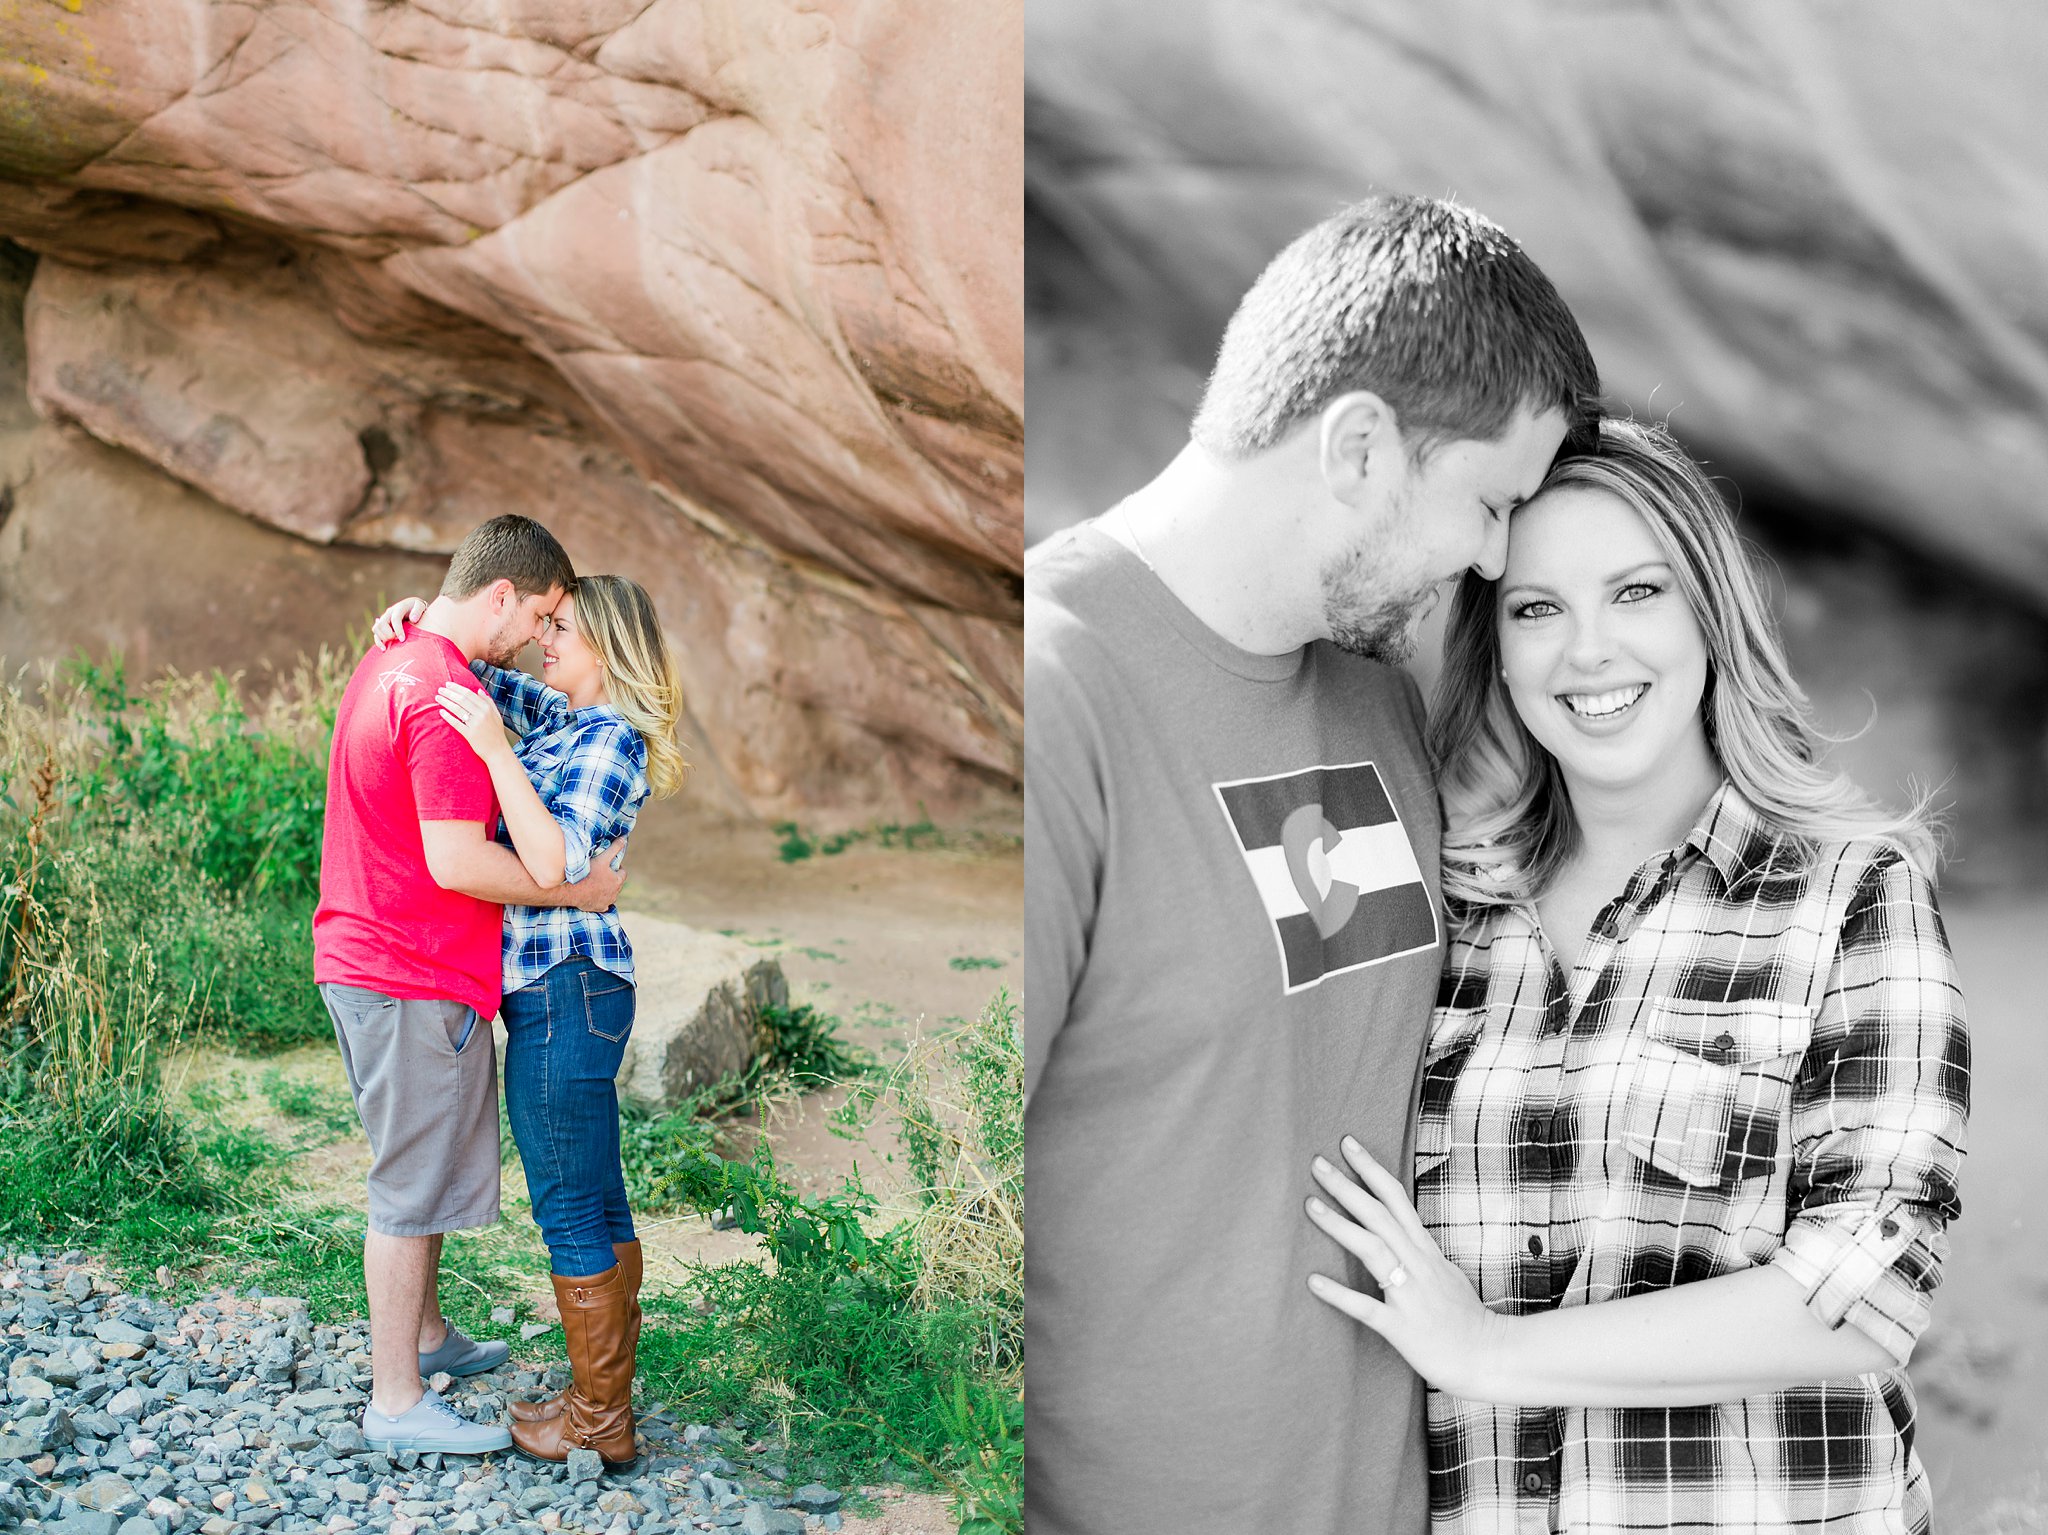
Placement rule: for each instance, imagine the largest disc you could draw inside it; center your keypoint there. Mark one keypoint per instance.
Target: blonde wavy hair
(617, 619)
(1508, 816)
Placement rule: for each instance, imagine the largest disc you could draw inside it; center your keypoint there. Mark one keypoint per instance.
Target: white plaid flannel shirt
(1757, 1060)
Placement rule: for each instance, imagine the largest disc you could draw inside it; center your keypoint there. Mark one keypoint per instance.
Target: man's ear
(503, 595)
(1358, 440)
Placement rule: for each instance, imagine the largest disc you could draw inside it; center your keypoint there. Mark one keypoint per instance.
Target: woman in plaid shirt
(1693, 1105)
(594, 741)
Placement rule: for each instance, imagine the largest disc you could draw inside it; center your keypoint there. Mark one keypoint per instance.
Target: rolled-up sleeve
(604, 775)
(1879, 1115)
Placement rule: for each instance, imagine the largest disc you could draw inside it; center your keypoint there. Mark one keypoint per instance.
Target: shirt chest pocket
(1712, 1087)
(1452, 1033)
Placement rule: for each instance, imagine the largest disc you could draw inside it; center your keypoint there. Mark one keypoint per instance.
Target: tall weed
(158, 863)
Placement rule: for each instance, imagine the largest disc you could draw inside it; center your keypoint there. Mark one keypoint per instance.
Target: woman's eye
(1638, 591)
(1535, 609)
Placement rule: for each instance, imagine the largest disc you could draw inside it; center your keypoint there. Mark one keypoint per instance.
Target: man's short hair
(508, 548)
(1426, 304)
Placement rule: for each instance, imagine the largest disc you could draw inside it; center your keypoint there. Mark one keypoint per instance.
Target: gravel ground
(234, 1414)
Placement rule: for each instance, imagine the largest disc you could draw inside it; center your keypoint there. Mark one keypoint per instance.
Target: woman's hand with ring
(475, 719)
(1429, 1310)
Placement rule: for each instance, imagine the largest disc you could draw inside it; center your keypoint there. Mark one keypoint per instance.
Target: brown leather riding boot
(628, 1254)
(599, 1412)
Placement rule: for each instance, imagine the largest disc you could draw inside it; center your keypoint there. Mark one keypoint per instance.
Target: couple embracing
(463, 874)
(1539, 1112)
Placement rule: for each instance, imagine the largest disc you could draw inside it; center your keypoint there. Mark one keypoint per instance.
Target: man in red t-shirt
(406, 951)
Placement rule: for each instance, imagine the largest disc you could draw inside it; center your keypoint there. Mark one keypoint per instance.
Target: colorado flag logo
(1334, 867)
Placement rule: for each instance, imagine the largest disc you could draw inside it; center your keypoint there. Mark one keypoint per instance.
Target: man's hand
(599, 889)
(390, 625)
(460, 857)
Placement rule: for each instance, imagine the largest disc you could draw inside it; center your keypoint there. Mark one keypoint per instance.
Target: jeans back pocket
(607, 1004)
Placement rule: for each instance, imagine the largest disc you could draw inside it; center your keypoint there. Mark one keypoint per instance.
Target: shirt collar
(1733, 836)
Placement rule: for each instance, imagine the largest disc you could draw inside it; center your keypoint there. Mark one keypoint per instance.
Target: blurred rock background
(726, 292)
(1815, 237)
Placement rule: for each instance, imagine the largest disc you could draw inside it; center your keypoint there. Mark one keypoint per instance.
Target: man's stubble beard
(1362, 615)
(503, 647)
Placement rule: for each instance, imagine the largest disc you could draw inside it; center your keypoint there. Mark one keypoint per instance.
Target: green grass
(794, 844)
(973, 962)
(314, 1103)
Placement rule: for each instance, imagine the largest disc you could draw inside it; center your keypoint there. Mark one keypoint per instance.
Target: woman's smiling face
(1604, 660)
(566, 660)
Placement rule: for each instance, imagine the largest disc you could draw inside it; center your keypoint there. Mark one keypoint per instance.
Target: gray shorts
(425, 1079)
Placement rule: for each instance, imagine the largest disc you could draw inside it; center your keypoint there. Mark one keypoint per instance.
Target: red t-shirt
(382, 922)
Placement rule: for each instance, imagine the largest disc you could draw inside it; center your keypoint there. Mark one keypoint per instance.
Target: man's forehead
(1523, 456)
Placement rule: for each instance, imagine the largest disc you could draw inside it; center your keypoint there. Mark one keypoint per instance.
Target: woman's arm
(535, 836)
(461, 856)
(603, 778)
(524, 703)
(1711, 1341)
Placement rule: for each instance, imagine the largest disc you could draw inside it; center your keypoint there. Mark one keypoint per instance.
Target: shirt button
(1888, 1227)
(1725, 1044)
(1533, 1482)
(1535, 1247)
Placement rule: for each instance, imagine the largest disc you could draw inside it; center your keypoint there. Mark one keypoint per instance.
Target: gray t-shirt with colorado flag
(1232, 940)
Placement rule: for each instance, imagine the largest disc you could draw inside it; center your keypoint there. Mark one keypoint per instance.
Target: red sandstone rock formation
(728, 292)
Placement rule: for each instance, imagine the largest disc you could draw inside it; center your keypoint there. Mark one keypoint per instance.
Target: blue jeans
(565, 1035)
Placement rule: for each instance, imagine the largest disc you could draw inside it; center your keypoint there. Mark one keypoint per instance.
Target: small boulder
(698, 1013)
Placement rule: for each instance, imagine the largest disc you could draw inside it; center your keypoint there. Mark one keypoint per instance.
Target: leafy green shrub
(987, 1481)
(904, 1344)
(237, 967)
(805, 1046)
(825, 1338)
(244, 806)
(197, 827)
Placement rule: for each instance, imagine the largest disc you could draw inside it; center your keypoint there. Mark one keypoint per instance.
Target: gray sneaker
(462, 1355)
(431, 1425)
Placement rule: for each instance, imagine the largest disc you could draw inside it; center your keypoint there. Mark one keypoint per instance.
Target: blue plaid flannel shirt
(590, 769)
